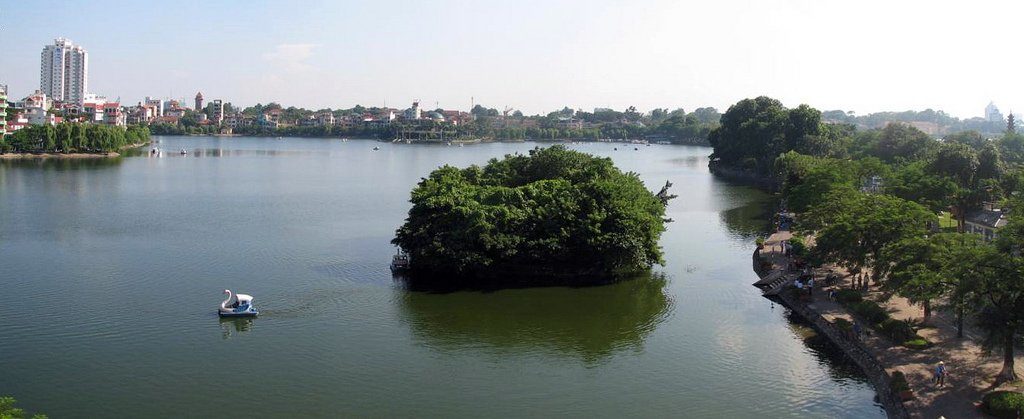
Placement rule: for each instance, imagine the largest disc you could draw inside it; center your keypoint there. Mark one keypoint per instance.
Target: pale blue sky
(535, 56)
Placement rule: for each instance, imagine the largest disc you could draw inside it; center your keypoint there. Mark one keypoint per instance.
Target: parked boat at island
(237, 305)
(400, 262)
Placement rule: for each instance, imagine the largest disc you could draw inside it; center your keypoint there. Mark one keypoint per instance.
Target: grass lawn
(946, 222)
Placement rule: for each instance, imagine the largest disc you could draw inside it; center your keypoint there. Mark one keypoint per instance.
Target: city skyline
(532, 58)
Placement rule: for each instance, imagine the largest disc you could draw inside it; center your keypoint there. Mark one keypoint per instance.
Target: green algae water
(111, 272)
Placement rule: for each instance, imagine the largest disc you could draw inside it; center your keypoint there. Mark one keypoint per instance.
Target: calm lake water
(112, 271)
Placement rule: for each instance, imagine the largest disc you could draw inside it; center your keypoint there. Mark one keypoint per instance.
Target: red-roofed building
(112, 114)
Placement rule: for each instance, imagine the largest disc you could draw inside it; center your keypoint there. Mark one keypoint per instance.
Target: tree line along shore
(931, 221)
(72, 140)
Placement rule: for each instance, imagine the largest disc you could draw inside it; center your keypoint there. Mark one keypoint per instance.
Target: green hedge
(845, 297)
(843, 324)
(870, 311)
(1003, 404)
(896, 330)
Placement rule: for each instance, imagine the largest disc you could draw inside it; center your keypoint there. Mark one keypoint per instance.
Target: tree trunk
(1008, 374)
(927, 311)
(960, 322)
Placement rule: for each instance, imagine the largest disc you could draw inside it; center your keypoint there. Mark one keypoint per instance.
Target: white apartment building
(64, 71)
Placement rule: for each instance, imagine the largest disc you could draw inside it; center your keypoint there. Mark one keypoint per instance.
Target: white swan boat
(237, 305)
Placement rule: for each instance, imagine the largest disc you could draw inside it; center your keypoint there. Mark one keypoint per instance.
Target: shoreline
(855, 350)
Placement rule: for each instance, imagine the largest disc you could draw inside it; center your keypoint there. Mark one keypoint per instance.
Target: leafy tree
(8, 411)
(753, 133)
(557, 215)
(974, 139)
(853, 227)
(902, 142)
(925, 269)
(1001, 294)
(913, 182)
(990, 163)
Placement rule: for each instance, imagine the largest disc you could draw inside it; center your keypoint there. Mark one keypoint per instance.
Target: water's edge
(854, 350)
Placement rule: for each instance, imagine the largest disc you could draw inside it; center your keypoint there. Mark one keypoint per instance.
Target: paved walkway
(971, 372)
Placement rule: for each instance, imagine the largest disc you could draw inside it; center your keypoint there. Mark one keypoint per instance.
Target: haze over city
(535, 56)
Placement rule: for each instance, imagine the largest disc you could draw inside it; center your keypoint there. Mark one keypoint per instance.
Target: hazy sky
(535, 56)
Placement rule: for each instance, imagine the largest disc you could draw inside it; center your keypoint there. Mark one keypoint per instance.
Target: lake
(112, 271)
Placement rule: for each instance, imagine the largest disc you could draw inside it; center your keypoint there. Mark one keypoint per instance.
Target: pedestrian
(810, 287)
(940, 374)
(856, 330)
(831, 295)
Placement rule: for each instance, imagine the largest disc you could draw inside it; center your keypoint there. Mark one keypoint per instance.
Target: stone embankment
(852, 347)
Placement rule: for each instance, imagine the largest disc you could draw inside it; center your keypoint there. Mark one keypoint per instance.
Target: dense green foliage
(73, 138)
(555, 214)
(1003, 404)
(872, 199)
(8, 411)
(753, 132)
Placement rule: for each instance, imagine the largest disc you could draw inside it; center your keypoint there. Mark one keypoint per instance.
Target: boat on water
(400, 262)
(237, 305)
(183, 152)
(375, 148)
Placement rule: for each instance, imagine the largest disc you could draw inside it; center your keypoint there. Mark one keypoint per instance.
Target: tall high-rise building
(199, 101)
(3, 110)
(64, 71)
(992, 113)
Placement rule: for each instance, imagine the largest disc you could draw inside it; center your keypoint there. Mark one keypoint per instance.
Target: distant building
(35, 107)
(992, 113)
(872, 184)
(986, 221)
(3, 109)
(199, 101)
(156, 104)
(414, 112)
(92, 108)
(325, 118)
(113, 115)
(64, 71)
(215, 110)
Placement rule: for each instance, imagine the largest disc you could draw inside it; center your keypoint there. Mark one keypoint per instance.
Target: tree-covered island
(555, 216)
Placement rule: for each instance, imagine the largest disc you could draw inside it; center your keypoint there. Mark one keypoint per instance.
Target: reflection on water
(61, 163)
(236, 325)
(589, 323)
(748, 221)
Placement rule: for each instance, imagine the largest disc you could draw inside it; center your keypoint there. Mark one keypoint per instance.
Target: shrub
(799, 248)
(899, 382)
(845, 297)
(1003, 404)
(897, 330)
(870, 311)
(917, 343)
(843, 324)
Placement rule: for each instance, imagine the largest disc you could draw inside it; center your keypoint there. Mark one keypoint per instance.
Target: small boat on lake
(400, 262)
(237, 305)
(183, 152)
(375, 148)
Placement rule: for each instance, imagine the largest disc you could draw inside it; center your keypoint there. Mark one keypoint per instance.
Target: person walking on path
(940, 374)
(810, 287)
(856, 330)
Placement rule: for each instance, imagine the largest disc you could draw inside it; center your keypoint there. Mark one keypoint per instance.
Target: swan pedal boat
(237, 305)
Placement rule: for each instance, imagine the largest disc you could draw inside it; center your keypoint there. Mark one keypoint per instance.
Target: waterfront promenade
(971, 371)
